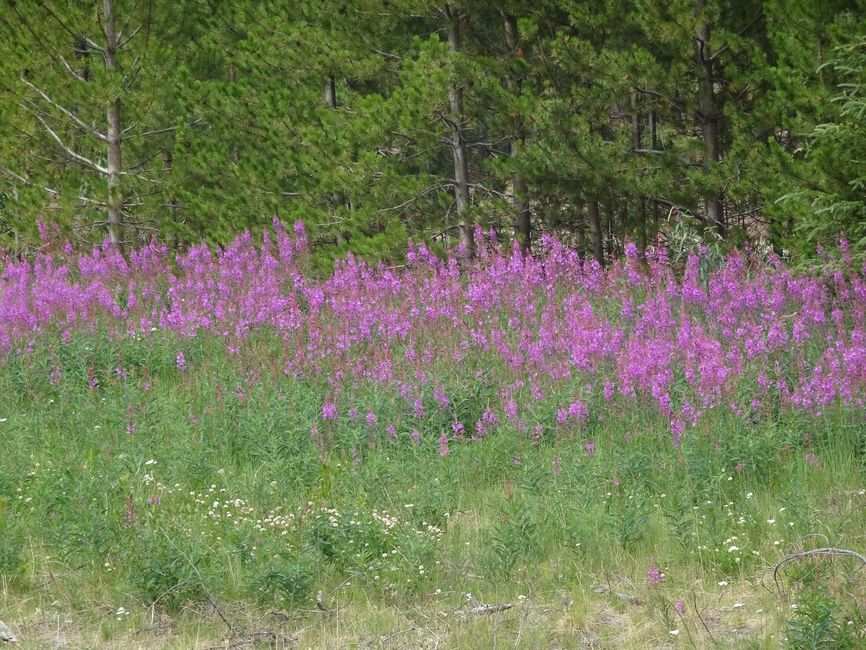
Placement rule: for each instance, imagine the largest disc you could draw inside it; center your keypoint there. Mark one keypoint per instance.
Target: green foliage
(287, 581)
(821, 621)
(589, 104)
(831, 202)
(514, 538)
(628, 516)
(166, 576)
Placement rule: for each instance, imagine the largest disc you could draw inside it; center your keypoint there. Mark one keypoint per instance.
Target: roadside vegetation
(224, 450)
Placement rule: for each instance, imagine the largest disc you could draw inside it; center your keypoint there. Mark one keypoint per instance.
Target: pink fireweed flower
(391, 430)
(579, 411)
(590, 448)
(443, 444)
(680, 607)
(677, 428)
(608, 390)
(329, 411)
(416, 436)
(653, 575)
(689, 342)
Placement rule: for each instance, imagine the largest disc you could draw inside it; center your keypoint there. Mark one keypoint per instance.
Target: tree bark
(330, 92)
(637, 141)
(523, 225)
(708, 116)
(653, 124)
(458, 145)
(611, 242)
(595, 234)
(641, 225)
(114, 135)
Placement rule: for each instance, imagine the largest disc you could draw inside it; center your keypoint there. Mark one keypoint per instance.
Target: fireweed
(227, 419)
(554, 329)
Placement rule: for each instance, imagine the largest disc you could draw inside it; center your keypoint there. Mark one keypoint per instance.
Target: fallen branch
(491, 609)
(629, 598)
(6, 634)
(813, 553)
(483, 608)
(246, 640)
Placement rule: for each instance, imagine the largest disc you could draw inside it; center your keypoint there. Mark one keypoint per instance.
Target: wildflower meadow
(227, 448)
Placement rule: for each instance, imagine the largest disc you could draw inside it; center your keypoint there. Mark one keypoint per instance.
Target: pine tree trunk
(173, 203)
(611, 242)
(458, 146)
(636, 140)
(523, 225)
(708, 117)
(330, 92)
(114, 135)
(594, 219)
(641, 225)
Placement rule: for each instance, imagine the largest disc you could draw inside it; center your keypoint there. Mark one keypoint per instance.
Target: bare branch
(388, 55)
(142, 177)
(66, 27)
(129, 38)
(17, 177)
(172, 128)
(71, 70)
(22, 179)
(87, 199)
(814, 552)
(492, 192)
(72, 116)
(96, 48)
(739, 33)
(69, 152)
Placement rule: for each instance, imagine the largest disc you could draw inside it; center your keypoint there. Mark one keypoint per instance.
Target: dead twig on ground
(484, 608)
(629, 598)
(815, 552)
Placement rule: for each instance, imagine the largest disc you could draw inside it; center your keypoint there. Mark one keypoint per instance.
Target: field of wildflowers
(224, 445)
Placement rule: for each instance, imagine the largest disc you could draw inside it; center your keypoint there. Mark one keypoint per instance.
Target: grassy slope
(391, 533)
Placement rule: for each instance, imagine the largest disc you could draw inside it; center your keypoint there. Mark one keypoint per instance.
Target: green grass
(108, 501)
